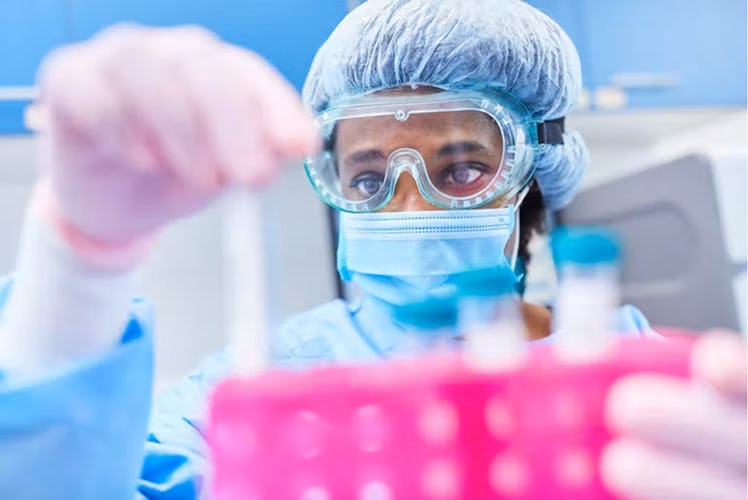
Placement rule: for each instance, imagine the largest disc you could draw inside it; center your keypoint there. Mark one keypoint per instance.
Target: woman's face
(462, 152)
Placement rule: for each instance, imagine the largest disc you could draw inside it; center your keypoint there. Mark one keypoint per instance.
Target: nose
(407, 197)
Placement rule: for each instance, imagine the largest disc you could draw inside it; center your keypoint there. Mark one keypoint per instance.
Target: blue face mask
(400, 257)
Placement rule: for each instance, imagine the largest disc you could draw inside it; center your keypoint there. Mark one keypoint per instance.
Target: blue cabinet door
(286, 32)
(668, 52)
(659, 53)
(28, 30)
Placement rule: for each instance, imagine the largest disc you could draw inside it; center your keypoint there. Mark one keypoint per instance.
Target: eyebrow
(364, 156)
(454, 148)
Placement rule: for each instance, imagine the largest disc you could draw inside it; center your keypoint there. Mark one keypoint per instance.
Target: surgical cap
(460, 44)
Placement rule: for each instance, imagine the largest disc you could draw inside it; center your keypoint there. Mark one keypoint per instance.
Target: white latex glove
(149, 125)
(682, 441)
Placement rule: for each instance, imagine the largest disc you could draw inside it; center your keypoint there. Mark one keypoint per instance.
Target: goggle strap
(551, 131)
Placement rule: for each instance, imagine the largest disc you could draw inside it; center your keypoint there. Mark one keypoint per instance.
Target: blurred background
(663, 111)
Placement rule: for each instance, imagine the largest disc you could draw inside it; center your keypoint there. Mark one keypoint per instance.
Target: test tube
(588, 261)
(490, 318)
(430, 325)
(246, 282)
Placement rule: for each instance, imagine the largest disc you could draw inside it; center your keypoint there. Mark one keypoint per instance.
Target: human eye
(462, 174)
(367, 184)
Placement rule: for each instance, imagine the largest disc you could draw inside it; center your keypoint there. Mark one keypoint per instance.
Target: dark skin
(461, 150)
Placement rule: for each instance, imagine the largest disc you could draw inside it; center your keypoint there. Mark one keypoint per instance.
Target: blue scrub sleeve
(78, 432)
(176, 453)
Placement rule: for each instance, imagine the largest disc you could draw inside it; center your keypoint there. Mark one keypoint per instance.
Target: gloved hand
(147, 125)
(679, 440)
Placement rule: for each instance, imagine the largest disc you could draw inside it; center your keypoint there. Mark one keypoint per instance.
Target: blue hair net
(459, 44)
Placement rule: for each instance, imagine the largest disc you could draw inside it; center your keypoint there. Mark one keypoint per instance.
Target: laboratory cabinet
(286, 32)
(657, 53)
(635, 53)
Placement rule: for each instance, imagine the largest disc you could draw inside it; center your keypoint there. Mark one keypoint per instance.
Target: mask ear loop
(515, 248)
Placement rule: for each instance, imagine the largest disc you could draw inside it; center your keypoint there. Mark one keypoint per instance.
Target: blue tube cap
(431, 314)
(585, 245)
(489, 282)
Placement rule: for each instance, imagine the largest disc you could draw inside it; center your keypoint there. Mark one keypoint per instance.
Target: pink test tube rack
(431, 428)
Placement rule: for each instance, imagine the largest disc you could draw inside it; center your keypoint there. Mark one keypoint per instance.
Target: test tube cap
(489, 282)
(585, 245)
(429, 314)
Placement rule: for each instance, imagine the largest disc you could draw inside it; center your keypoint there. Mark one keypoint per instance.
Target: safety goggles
(463, 149)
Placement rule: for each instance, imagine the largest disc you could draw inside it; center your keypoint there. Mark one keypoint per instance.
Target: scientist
(442, 144)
